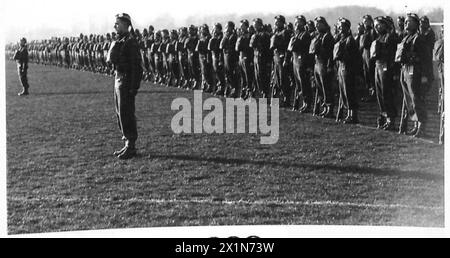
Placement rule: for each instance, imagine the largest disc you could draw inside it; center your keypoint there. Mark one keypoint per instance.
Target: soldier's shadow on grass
(320, 168)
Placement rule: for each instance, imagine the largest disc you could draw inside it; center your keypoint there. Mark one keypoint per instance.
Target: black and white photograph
(222, 118)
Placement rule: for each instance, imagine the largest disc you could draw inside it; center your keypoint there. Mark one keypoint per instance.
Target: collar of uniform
(123, 37)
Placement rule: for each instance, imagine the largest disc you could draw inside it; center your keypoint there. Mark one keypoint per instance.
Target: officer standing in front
(21, 57)
(125, 56)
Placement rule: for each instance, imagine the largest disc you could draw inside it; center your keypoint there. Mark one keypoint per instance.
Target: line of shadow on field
(109, 92)
(343, 169)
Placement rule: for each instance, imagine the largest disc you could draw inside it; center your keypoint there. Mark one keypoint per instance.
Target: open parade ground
(62, 175)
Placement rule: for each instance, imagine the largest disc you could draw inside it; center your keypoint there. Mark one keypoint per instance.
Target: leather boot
(414, 130)
(420, 130)
(129, 152)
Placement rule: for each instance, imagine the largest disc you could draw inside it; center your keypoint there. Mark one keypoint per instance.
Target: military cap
(321, 19)
(174, 32)
(124, 16)
(381, 19)
(218, 25)
(245, 21)
(258, 20)
(230, 24)
(367, 17)
(424, 19)
(280, 18)
(24, 40)
(345, 21)
(401, 18)
(413, 16)
(301, 17)
(310, 22)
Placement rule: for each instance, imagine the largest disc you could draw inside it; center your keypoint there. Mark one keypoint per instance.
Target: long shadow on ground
(320, 167)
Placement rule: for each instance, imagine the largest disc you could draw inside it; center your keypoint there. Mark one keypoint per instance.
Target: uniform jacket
(280, 41)
(299, 47)
(243, 45)
(386, 47)
(349, 52)
(21, 56)
(126, 58)
(260, 42)
(324, 54)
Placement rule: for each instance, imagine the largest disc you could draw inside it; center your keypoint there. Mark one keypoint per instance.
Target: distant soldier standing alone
(125, 56)
(21, 57)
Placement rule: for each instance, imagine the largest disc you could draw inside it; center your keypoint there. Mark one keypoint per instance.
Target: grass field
(62, 174)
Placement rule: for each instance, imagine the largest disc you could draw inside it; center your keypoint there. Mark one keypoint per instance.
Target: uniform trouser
(347, 88)
(231, 76)
(302, 80)
(23, 78)
(384, 86)
(246, 73)
(183, 64)
(165, 65)
(144, 59)
(151, 63)
(413, 93)
(262, 74)
(219, 74)
(281, 80)
(125, 109)
(323, 83)
(174, 71)
(194, 72)
(205, 69)
(368, 69)
(158, 65)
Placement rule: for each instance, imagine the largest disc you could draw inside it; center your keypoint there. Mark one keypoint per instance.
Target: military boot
(420, 130)
(389, 124)
(129, 152)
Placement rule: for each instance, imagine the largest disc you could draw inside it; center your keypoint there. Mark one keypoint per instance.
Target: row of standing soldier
(294, 62)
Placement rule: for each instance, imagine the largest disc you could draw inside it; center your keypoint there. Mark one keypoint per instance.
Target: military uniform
(278, 44)
(230, 58)
(368, 65)
(21, 57)
(157, 56)
(410, 54)
(345, 51)
(172, 54)
(193, 61)
(299, 47)
(429, 39)
(125, 56)
(262, 59)
(204, 59)
(217, 59)
(383, 52)
(322, 48)
(183, 58)
(245, 61)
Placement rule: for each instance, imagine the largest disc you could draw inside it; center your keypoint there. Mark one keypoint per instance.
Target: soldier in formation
(303, 63)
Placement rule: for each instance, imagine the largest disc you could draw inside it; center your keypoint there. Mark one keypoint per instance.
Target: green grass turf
(62, 174)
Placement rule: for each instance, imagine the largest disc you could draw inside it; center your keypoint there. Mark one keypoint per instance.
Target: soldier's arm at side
(135, 65)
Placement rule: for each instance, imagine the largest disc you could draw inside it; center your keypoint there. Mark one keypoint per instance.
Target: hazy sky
(42, 17)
